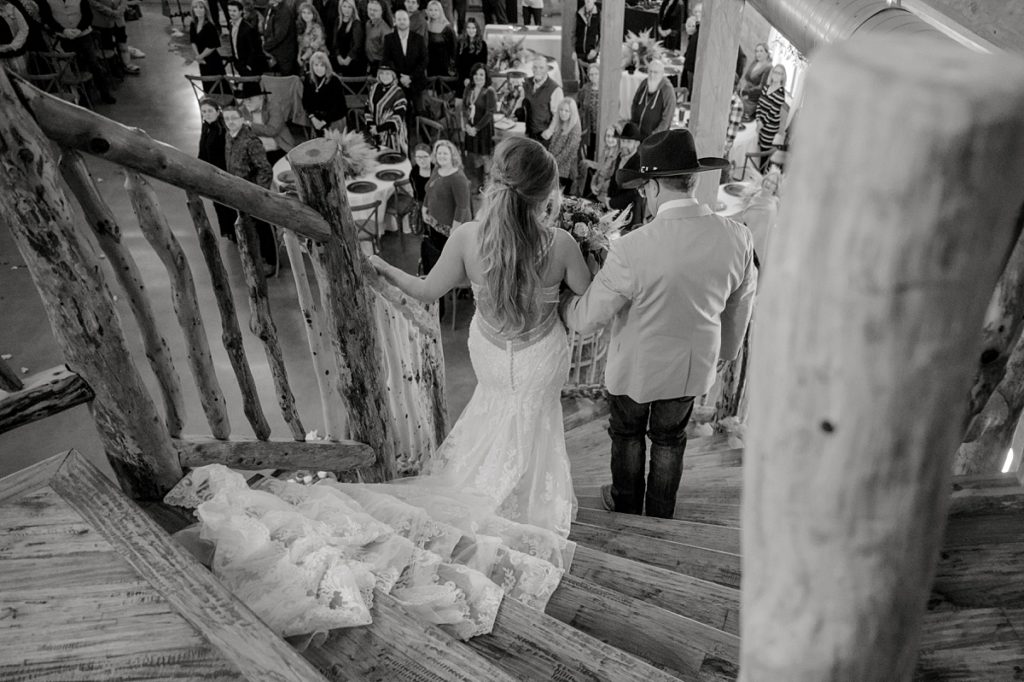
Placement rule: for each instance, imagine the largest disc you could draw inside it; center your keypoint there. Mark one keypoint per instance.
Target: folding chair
(364, 233)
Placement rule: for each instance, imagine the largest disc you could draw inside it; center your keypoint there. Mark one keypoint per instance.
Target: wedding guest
(772, 111)
(494, 12)
(605, 165)
(375, 30)
(407, 53)
(311, 34)
(349, 53)
(280, 39)
(458, 14)
(13, 37)
(541, 96)
(71, 24)
(440, 42)
(251, 15)
(245, 48)
(590, 108)
(323, 96)
(421, 171)
(327, 10)
(385, 111)
(211, 150)
(417, 18)
(654, 104)
(109, 22)
(472, 50)
(205, 40)
(245, 157)
(588, 34)
(670, 16)
(692, 28)
(533, 10)
(480, 103)
(620, 197)
(754, 79)
(446, 203)
(565, 142)
(760, 214)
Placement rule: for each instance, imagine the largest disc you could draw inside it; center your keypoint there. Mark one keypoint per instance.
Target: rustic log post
(347, 304)
(570, 79)
(713, 81)
(867, 333)
(332, 404)
(108, 235)
(77, 301)
(613, 20)
(231, 333)
(77, 128)
(183, 294)
(261, 323)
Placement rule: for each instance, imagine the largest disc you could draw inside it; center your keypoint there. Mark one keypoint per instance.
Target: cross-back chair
(368, 226)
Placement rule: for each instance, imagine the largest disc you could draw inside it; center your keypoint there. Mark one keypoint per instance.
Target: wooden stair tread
(699, 512)
(972, 644)
(699, 562)
(723, 538)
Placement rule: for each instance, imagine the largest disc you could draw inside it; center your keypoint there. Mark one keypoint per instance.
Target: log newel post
(613, 18)
(866, 346)
(347, 305)
(67, 274)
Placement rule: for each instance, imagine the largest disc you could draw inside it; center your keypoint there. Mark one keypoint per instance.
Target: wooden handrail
(43, 395)
(77, 128)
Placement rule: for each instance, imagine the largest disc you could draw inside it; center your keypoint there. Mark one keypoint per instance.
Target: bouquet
(640, 49)
(590, 226)
(357, 156)
(508, 53)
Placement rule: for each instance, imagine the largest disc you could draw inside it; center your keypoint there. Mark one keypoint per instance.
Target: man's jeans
(665, 422)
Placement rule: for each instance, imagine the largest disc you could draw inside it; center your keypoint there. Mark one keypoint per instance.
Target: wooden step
(531, 645)
(707, 564)
(983, 575)
(706, 602)
(722, 538)
(698, 512)
(716, 485)
(972, 644)
(693, 650)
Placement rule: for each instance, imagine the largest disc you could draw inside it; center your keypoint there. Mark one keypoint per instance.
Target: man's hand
(664, 32)
(547, 134)
(591, 55)
(406, 81)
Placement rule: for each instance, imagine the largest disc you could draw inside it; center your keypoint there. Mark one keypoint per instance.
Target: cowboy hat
(666, 154)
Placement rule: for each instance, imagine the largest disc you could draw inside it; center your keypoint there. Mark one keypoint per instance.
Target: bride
(491, 514)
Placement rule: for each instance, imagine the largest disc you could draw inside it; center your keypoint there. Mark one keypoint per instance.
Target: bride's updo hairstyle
(514, 234)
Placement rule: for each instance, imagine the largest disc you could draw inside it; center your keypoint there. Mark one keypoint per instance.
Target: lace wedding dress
(489, 518)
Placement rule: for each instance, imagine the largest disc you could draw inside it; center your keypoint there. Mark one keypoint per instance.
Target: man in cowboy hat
(678, 292)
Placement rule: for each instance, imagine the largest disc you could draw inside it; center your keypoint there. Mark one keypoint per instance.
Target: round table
(383, 189)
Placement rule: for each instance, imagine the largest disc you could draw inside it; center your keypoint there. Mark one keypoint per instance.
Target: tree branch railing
(388, 394)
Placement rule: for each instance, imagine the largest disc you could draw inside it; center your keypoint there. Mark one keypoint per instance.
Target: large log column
(897, 226)
(613, 20)
(347, 305)
(713, 85)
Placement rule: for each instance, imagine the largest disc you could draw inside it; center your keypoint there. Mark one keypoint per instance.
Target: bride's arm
(577, 274)
(449, 272)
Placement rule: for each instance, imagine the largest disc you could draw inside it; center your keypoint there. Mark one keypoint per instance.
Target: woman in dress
(211, 150)
(311, 34)
(422, 169)
(349, 53)
(205, 39)
(323, 97)
(472, 50)
(440, 42)
(771, 112)
(754, 79)
(564, 144)
(385, 111)
(606, 165)
(479, 106)
(446, 204)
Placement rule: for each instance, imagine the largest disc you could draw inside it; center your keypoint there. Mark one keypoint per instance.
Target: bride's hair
(521, 200)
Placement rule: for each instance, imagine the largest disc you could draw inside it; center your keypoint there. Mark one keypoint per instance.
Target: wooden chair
(403, 205)
(57, 73)
(756, 157)
(220, 92)
(429, 131)
(368, 228)
(357, 93)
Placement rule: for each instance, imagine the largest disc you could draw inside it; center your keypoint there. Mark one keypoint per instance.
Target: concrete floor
(161, 102)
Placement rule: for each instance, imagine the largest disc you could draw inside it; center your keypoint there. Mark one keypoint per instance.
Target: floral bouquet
(508, 53)
(640, 49)
(357, 155)
(590, 226)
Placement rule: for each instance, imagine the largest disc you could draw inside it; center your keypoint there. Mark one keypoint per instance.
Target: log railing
(375, 353)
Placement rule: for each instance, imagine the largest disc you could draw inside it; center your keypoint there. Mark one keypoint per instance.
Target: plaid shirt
(735, 118)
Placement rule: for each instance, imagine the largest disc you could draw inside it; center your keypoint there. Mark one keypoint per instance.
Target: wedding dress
(489, 518)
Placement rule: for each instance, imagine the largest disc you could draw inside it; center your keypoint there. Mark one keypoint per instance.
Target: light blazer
(679, 293)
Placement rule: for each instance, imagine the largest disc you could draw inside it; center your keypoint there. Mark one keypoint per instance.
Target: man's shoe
(136, 53)
(607, 501)
(132, 69)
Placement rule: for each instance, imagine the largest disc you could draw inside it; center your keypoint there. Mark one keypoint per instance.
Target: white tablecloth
(547, 43)
(384, 189)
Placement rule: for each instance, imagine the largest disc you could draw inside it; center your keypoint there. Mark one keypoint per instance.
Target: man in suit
(407, 51)
(245, 48)
(280, 41)
(679, 293)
